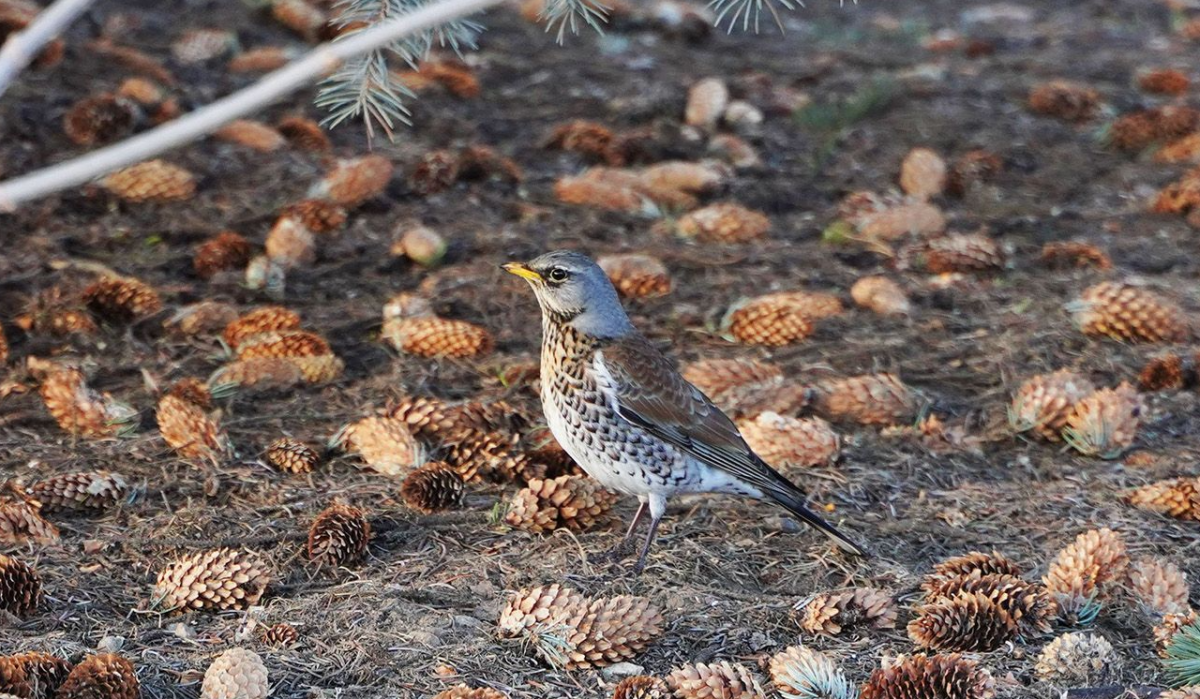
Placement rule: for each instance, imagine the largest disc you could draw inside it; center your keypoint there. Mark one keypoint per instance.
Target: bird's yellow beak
(521, 270)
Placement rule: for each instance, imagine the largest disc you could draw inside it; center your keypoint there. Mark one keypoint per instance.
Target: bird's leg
(658, 507)
(622, 547)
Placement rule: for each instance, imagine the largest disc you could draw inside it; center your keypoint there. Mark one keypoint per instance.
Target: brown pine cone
(290, 456)
(434, 487)
(716, 377)
(970, 169)
(830, 613)
(191, 390)
(338, 536)
(723, 680)
(289, 244)
(1159, 587)
(281, 635)
(587, 138)
(928, 677)
(1084, 572)
(1045, 402)
(3, 347)
(923, 174)
(384, 443)
(254, 135)
(218, 579)
(122, 299)
(484, 163)
(969, 621)
(55, 313)
(1137, 130)
(186, 428)
(723, 223)
(352, 182)
(316, 215)
(799, 672)
(1165, 81)
(435, 172)
(1166, 372)
(1165, 631)
(1064, 100)
(238, 673)
(259, 375)
(966, 253)
(1185, 149)
(438, 337)
(1027, 603)
(1174, 497)
(103, 676)
(871, 399)
(641, 687)
(151, 181)
(301, 16)
(200, 45)
(636, 276)
(20, 522)
(283, 343)
(1106, 422)
(99, 119)
(577, 503)
(81, 411)
(706, 103)
(881, 295)
(462, 691)
(974, 563)
(1074, 254)
(784, 441)
(20, 587)
(1129, 313)
(528, 608)
(598, 194)
(32, 674)
(1078, 659)
(225, 250)
(91, 491)
(305, 134)
(425, 417)
(204, 318)
(768, 321)
(264, 319)
(877, 218)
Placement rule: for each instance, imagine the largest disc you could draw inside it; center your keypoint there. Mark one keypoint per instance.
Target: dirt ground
(726, 572)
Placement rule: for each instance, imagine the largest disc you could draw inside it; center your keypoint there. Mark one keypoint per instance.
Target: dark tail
(791, 498)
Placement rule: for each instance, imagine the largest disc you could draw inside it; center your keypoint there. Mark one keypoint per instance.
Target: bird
(622, 411)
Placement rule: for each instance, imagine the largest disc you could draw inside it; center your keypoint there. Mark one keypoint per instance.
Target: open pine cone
(281, 634)
(1105, 423)
(291, 456)
(577, 503)
(81, 411)
(187, 429)
(832, 612)
(968, 621)
(434, 487)
(480, 454)
(747, 387)
(21, 522)
(1174, 497)
(1044, 402)
(20, 587)
(1159, 587)
(1078, 659)
(338, 536)
(723, 680)
(238, 673)
(871, 399)
(383, 443)
(1026, 603)
(930, 677)
(802, 673)
(217, 579)
(641, 687)
(973, 563)
(723, 223)
(32, 675)
(462, 691)
(353, 181)
(1084, 572)
(103, 676)
(226, 250)
(881, 295)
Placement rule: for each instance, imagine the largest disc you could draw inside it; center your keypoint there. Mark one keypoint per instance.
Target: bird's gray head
(572, 289)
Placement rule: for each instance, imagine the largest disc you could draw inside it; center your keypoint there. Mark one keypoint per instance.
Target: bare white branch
(22, 46)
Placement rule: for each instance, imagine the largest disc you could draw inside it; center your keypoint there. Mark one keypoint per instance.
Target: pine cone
(802, 673)
(238, 673)
(768, 321)
(1185, 149)
(283, 343)
(422, 245)
(1074, 254)
(1165, 81)
(1181, 197)
(573, 633)
(305, 134)
(32, 674)
(317, 215)
(462, 691)
(281, 635)
(871, 399)
(923, 173)
(438, 337)
(431, 418)
(1026, 603)
(339, 536)
(143, 91)
(1105, 423)
(383, 443)
(14, 682)
(81, 411)
(885, 219)
(1159, 587)
(435, 172)
(186, 428)
(636, 276)
(226, 250)
(600, 194)
(641, 687)
(1167, 372)
(302, 17)
(1138, 130)
(587, 138)
(1128, 313)
(723, 680)
(434, 487)
(723, 223)
(706, 103)
(1174, 497)
(122, 300)
(290, 456)
(1045, 402)
(930, 677)
(20, 587)
(200, 45)
(716, 377)
(881, 295)
(965, 253)
(788, 441)
(352, 182)
(151, 181)
(1083, 573)
(103, 676)
(58, 314)
(20, 522)
(99, 119)
(91, 491)
(204, 318)
(577, 503)
(1064, 100)
(969, 621)
(265, 319)
(254, 135)
(1078, 660)
(218, 579)
(830, 613)
(1165, 631)
(973, 563)
(262, 375)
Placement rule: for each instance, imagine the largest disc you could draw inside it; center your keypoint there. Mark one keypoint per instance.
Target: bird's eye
(558, 274)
